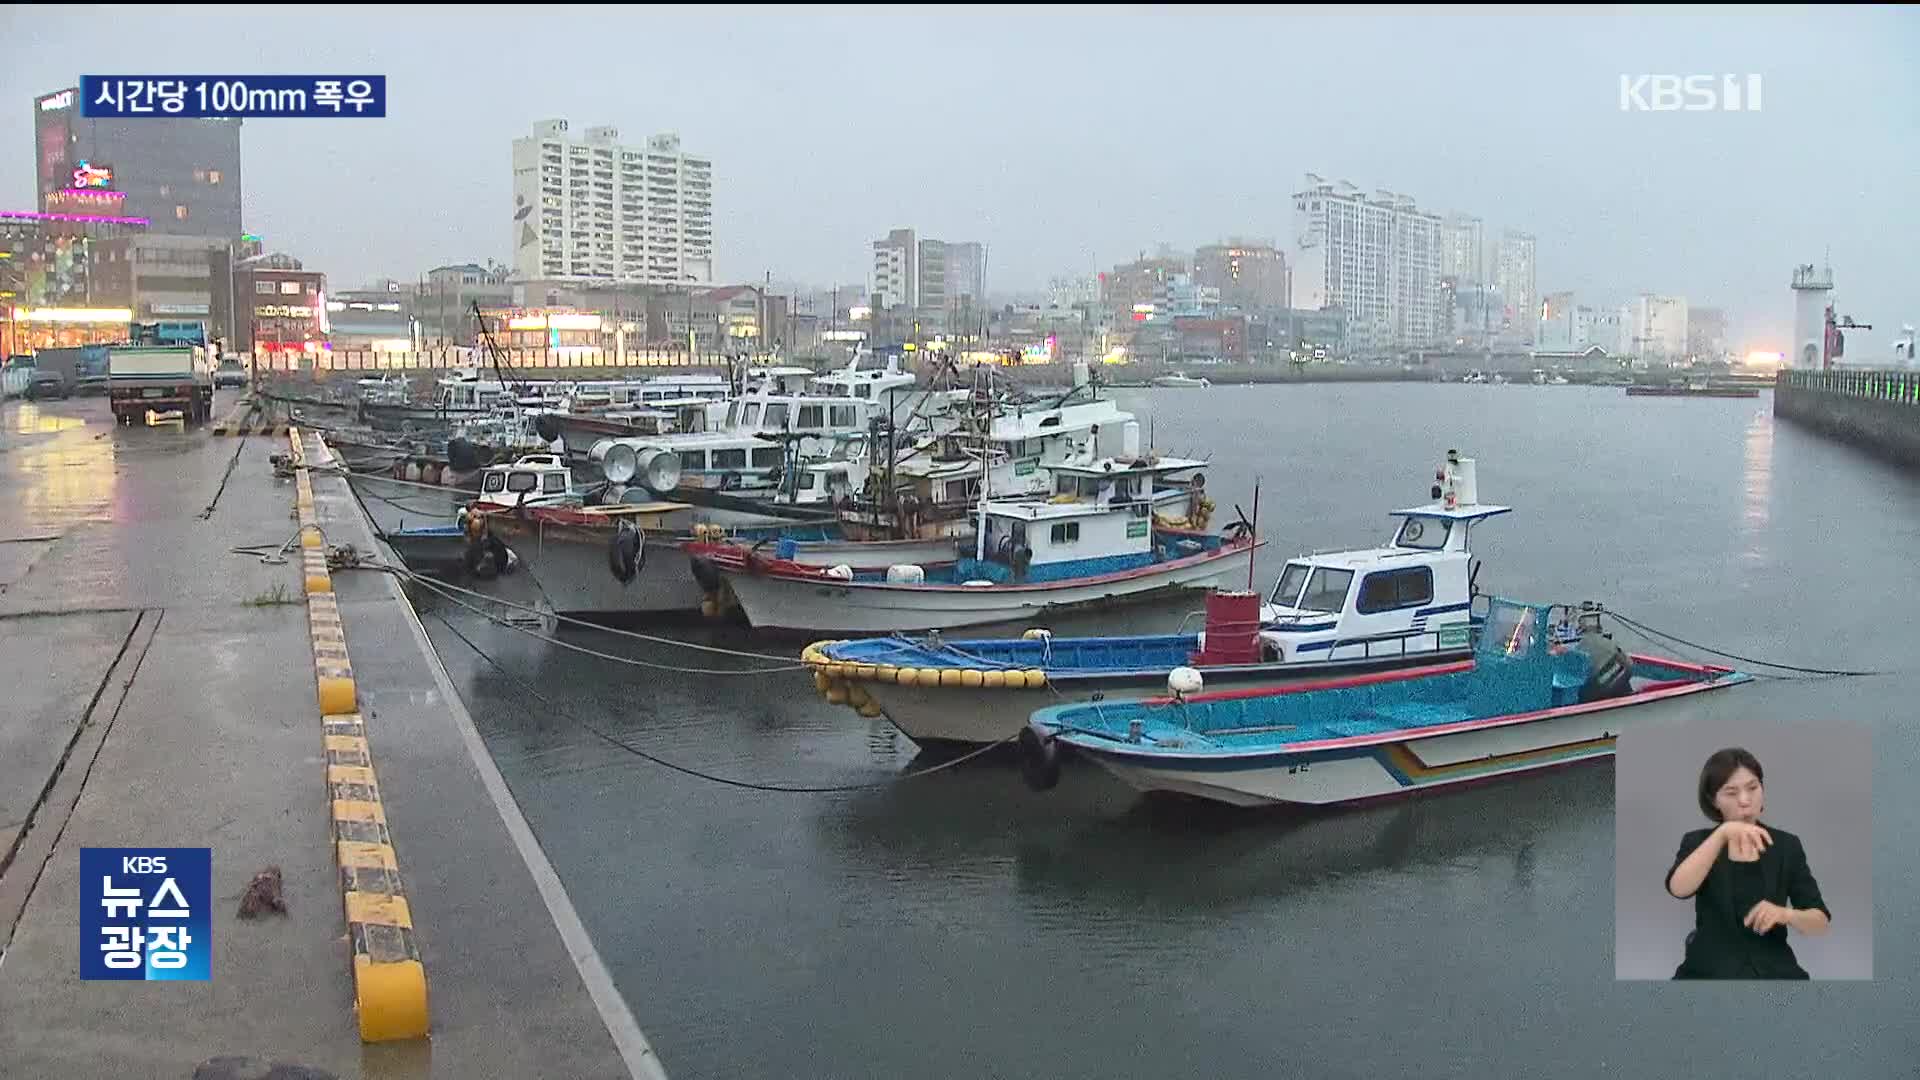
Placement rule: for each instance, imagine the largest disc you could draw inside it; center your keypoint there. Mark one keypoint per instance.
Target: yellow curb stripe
(361, 854)
(378, 909)
(357, 809)
(389, 981)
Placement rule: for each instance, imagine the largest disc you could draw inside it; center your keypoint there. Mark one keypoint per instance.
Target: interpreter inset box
(1743, 850)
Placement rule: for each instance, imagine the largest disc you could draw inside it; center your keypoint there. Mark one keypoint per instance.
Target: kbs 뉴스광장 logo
(144, 913)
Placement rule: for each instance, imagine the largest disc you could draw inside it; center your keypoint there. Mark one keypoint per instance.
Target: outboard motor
(1610, 669)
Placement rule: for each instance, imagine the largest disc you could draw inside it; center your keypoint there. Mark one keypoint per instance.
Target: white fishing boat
(1331, 614)
(1094, 544)
(1180, 380)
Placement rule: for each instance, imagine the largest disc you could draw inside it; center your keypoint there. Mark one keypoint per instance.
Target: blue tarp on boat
(1515, 670)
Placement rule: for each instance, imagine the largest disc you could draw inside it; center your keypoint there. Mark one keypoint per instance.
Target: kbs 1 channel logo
(1690, 93)
(232, 97)
(145, 913)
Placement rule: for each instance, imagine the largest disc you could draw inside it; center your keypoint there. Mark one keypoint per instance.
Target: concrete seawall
(1877, 411)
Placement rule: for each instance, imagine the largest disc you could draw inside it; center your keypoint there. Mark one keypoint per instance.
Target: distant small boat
(1691, 388)
(1179, 379)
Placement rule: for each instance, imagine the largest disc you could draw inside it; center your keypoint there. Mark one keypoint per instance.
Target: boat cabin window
(1292, 580)
(1426, 534)
(1065, 533)
(863, 390)
(777, 417)
(810, 417)
(729, 459)
(841, 416)
(766, 457)
(752, 416)
(1327, 590)
(553, 484)
(1387, 590)
(522, 481)
(494, 482)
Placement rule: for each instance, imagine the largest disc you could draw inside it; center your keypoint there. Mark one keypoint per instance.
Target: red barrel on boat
(1233, 629)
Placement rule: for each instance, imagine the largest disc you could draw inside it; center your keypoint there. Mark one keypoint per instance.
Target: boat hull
(564, 569)
(1388, 769)
(958, 715)
(789, 602)
(874, 554)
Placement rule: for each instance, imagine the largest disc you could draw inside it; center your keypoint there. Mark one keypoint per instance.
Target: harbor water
(960, 925)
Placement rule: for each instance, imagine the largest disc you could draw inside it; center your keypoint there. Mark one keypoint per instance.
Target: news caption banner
(232, 97)
(144, 913)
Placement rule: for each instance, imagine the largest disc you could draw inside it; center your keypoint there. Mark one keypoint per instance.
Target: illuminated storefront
(564, 331)
(33, 329)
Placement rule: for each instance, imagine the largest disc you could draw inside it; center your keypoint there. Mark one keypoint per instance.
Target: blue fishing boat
(1406, 603)
(1545, 687)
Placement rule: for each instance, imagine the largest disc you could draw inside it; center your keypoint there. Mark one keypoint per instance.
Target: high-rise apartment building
(895, 261)
(1515, 278)
(1376, 257)
(1462, 237)
(594, 208)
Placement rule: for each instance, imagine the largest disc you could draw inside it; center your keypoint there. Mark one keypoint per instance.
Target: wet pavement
(159, 692)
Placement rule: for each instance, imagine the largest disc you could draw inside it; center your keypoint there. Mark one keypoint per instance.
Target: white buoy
(1038, 633)
(842, 572)
(1182, 681)
(906, 574)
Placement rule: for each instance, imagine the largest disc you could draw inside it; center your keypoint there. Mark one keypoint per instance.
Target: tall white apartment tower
(1515, 278)
(1377, 257)
(594, 209)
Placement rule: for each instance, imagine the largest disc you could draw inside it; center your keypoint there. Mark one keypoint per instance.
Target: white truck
(160, 379)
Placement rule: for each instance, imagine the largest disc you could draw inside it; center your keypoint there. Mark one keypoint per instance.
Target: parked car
(43, 385)
(230, 373)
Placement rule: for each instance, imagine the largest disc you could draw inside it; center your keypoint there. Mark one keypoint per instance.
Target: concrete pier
(1877, 411)
(161, 691)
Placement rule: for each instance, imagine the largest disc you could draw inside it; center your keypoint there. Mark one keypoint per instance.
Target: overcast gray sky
(1069, 139)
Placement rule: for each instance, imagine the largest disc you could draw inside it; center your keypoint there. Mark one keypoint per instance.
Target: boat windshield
(1327, 590)
(1511, 630)
(1291, 581)
(1426, 534)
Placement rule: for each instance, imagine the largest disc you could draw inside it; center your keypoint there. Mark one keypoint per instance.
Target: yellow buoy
(907, 676)
(709, 608)
(821, 682)
(837, 693)
(950, 677)
(1036, 679)
(993, 680)
(929, 677)
(971, 679)
(870, 709)
(857, 695)
(1035, 634)
(885, 673)
(865, 671)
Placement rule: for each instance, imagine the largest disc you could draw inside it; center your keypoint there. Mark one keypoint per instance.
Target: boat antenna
(1253, 534)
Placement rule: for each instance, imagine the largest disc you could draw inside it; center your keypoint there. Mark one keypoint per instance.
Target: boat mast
(980, 531)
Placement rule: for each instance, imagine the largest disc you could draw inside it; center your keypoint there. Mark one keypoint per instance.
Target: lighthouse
(1811, 309)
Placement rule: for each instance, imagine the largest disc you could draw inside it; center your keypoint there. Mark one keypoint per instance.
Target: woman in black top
(1749, 882)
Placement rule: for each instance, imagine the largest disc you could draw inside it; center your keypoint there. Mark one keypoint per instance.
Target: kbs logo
(1689, 93)
(145, 913)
